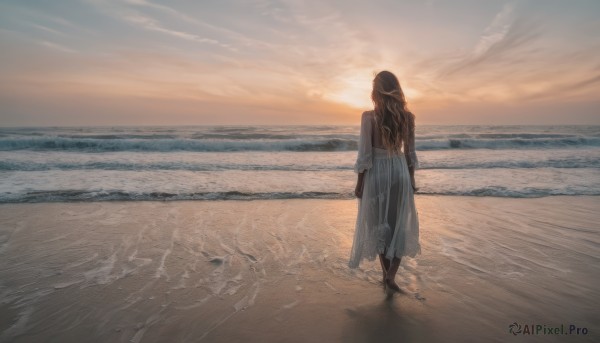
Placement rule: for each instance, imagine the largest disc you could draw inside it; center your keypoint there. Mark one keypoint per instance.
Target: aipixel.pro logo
(539, 329)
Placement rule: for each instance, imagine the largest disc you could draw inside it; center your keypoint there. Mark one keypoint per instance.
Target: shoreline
(433, 195)
(276, 270)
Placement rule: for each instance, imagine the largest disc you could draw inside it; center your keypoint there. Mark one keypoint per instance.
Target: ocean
(64, 164)
(88, 254)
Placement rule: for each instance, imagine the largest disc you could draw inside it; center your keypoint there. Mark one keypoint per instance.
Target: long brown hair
(393, 117)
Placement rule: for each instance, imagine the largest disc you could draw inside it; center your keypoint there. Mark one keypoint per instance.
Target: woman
(387, 223)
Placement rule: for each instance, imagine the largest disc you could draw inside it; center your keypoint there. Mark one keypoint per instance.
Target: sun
(352, 90)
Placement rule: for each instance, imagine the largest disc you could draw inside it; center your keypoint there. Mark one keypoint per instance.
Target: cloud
(47, 29)
(230, 34)
(496, 31)
(57, 46)
(565, 89)
(153, 25)
(121, 11)
(502, 41)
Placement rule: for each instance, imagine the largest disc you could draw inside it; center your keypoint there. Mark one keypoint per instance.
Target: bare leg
(385, 265)
(391, 274)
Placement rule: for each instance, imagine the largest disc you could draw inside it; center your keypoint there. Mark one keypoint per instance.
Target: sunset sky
(150, 62)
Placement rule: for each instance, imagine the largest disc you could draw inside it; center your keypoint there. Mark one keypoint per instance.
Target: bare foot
(392, 285)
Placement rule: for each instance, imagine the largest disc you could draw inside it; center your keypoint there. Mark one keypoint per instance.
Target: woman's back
(377, 139)
(373, 139)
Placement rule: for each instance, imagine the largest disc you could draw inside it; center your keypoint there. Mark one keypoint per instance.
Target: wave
(87, 195)
(512, 143)
(503, 192)
(495, 136)
(110, 143)
(7, 165)
(92, 196)
(165, 145)
(172, 166)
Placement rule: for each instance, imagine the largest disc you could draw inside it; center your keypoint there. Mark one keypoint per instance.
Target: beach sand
(276, 271)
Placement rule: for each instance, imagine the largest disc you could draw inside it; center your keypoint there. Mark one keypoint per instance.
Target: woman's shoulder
(368, 118)
(368, 115)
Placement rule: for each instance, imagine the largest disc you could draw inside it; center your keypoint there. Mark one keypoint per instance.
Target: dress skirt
(387, 221)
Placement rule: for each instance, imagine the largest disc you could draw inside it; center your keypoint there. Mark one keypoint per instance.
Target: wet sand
(276, 271)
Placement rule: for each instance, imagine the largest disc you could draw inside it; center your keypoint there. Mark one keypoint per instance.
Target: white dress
(387, 221)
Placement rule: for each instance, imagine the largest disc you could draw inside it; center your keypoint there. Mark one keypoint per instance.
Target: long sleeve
(409, 147)
(364, 160)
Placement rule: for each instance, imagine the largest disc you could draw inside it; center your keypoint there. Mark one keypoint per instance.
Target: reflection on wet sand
(277, 271)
